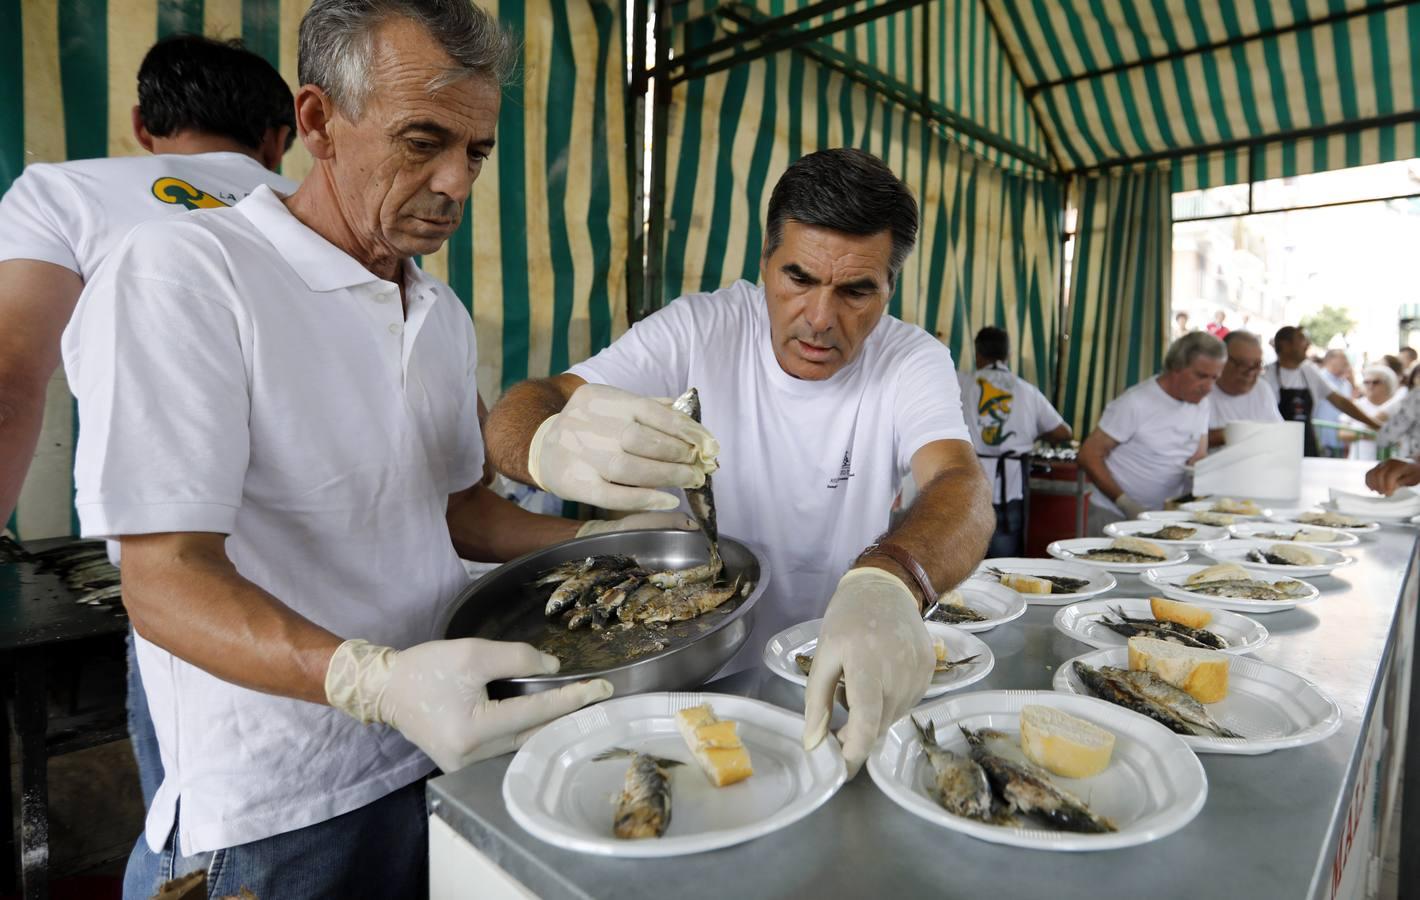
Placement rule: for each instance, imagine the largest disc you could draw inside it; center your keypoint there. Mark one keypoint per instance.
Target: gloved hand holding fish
(436, 694)
(613, 449)
(873, 638)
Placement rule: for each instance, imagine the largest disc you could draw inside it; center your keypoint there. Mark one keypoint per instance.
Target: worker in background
(1335, 370)
(217, 119)
(1300, 387)
(1240, 394)
(1379, 398)
(1407, 358)
(1180, 325)
(1006, 415)
(1148, 435)
(1216, 327)
(820, 404)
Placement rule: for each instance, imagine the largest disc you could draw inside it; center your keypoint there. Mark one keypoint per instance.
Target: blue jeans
(140, 730)
(379, 850)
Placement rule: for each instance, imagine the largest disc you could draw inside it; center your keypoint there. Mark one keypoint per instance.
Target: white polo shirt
(236, 373)
(1256, 405)
(73, 214)
(1157, 436)
(1006, 414)
(808, 469)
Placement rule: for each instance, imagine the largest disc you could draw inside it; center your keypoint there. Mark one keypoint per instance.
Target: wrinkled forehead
(835, 256)
(411, 75)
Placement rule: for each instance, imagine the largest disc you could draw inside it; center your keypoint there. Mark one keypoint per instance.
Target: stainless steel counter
(1270, 827)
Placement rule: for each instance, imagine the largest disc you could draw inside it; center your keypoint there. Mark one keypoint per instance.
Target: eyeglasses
(1372, 381)
(1246, 370)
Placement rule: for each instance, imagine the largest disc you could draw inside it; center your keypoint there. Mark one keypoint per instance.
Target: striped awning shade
(540, 257)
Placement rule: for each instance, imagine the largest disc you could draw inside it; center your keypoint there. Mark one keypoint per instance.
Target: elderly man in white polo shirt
(280, 427)
(1240, 395)
(1147, 435)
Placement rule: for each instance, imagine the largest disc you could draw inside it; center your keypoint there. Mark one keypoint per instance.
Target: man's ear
(140, 131)
(315, 112)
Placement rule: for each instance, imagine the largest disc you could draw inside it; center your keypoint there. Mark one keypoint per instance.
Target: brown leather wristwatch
(912, 567)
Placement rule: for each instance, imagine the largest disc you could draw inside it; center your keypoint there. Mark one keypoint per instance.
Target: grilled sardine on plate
(643, 808)
(1027, 789)
(960, 782)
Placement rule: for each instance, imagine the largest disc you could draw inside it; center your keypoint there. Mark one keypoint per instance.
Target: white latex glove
(1129, 506)
(609, 447)
(653, 521)
(874, 637)
(435, 694)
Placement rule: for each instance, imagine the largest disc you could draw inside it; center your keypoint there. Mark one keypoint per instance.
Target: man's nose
(819, 310)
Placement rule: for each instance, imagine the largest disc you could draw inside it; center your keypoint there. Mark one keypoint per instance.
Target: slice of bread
(1182, 613)
(1026, 584)
(1235, 507)
(1214, 518)
(1314, 536)
(1202, 673)
(1139, 545)
(951, 598)
(1297, 556)
(715, 744)
(1064, 744)
(1220, 572)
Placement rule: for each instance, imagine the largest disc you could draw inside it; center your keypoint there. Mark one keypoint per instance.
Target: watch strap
(909, 564)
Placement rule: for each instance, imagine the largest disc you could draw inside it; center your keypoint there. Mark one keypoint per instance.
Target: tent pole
(635, 164)
(660, 124)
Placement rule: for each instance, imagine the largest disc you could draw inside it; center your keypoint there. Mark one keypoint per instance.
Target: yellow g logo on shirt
(992, 412)
(180, 193)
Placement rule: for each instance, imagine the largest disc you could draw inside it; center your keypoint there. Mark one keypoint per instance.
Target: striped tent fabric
(1286, 66)
(540, 258)
(989, 245)
(1119, 290)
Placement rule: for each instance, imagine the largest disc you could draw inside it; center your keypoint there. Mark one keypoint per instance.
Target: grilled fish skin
(805, 662)
(1027, 788)
(701, 499)
(571, 591)
(1176, 700)
(1163, 630)
(1271, 559)
(1248, 589)
(962, 786)
(1120, 694)
(1170, 533)
(674, 578)
(952, 614)
(1113, 554)
(1060, 584)
(684, 603)
(643, 808)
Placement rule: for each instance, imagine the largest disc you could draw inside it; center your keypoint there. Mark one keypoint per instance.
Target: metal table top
(1268, 828)
(37, 608)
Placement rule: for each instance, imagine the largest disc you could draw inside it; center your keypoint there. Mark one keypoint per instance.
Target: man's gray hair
(1246, 337)
(337, 44)
(1186, 349)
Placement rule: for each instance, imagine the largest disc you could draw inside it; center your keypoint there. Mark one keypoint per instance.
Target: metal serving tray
(501, 606)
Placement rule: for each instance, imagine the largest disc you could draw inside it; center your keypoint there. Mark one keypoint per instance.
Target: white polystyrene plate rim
(1288, 516)
(1388, 518)
(1061, 551)
(779, 651)
(1015, 604)
(545, 827)
(1132, 527)
(1154, 577)
(900, 787)
(1105, 579)
(1311, 733)
(1068, 621)
(1246, 530)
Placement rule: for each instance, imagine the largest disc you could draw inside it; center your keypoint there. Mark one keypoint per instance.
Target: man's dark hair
(1285, 333)
(993, 344)
(1409, 351)
(192, 83)
(846, 190)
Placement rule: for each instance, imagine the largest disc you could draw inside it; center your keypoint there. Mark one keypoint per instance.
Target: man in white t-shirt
(1300, 387)
(1137, 454)
(1006, 415)
(281, 429)
(1240, 395)
(217, 119)
(821, 405)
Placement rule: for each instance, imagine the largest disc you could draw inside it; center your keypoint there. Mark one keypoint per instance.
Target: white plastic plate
(997, 602)
(1170, 581)
(1154, 785)
(1237, 551)
(1178, 515)
(1098, 581)
(1208, 506)
(781, 649)
(555, 790)
(1271, 708)
(1081, 621)
(1293, 517)
(1136, 527)
(1250, 530)
(1074, 549)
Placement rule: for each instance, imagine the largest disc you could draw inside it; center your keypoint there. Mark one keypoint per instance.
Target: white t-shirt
(1005, 414)
(808, 469)
(1257, 405)
(73, 214)
(1304, 376)
(238, 374)
(1157, 437)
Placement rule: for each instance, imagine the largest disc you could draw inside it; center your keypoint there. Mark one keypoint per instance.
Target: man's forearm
(487, 528)
(1099, 474)
(21, 414)
(946, 530)
(185, 596)
(515, 418)
(1354, 412)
